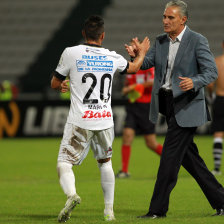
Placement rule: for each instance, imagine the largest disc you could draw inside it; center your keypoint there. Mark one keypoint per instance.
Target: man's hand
(142, 47)
(64, 86)
(186, 83)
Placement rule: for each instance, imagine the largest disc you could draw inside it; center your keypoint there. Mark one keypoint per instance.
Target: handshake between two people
(137, 50)
(137, 47)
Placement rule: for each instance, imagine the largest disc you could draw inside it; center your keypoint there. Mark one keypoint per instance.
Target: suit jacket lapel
(182, 48)
(164, 55)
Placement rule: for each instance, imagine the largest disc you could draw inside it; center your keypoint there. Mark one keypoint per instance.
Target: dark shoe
(122, 175)
(151, 216)
(219, 212)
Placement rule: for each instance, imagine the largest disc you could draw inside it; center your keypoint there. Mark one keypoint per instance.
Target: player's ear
(83, 34)
(102, 36)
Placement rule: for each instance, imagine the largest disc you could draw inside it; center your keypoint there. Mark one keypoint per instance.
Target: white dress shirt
(173, 48)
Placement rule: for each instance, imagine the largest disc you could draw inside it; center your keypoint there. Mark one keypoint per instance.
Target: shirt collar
(92, 45)
(179, 37)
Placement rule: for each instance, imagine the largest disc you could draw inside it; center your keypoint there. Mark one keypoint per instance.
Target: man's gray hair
(181, 5)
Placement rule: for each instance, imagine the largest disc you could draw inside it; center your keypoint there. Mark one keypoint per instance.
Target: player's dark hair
(93, 27)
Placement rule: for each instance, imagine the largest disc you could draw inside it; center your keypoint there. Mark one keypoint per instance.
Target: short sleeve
(121, 63)
(63, 67)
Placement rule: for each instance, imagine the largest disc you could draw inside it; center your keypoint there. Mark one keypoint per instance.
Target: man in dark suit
(183, 65)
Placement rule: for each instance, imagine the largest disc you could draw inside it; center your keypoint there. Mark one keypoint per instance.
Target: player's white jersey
(90, 70)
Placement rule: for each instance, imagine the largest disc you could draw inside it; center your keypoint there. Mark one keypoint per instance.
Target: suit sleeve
(206, 63)
(149, 60)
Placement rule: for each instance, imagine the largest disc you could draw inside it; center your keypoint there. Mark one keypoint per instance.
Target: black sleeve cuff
(125, 70)
(59, 76)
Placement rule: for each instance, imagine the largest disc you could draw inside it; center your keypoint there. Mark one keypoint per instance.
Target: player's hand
(128, 89)
(186, 83)
(124, 90)
(130, 49)
(64, 86)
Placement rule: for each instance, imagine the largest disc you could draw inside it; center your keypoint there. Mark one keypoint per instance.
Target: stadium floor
(30, 192)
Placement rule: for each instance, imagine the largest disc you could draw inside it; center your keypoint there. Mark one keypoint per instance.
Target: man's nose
(165, 21)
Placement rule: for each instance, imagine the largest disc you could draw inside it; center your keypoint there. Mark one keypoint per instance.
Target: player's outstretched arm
(60, 85)
(141, 50)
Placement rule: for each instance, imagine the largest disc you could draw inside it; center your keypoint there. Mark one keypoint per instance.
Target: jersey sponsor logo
(92, 57)
(81, 63)
(91, 114)
(94, 65)
(99, 63)
(102, 69)
(92, 50)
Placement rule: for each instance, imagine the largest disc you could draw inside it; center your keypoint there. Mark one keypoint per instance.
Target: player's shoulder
(110, 53)
(93, 49)
(74, 48)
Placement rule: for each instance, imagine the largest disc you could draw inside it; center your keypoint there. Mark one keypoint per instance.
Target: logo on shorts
(109, 150)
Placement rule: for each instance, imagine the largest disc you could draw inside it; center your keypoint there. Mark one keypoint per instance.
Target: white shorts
(76, 142)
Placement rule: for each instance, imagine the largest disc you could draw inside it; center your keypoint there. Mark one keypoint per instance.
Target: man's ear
(184, 19)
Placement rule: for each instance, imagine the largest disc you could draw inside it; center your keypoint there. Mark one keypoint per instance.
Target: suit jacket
(194, 60)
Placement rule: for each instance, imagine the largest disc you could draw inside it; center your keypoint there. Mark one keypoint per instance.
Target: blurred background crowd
(34, 34)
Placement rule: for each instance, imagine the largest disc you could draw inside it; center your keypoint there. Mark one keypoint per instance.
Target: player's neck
(93, 42)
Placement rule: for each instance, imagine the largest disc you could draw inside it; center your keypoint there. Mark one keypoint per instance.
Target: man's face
(173, 22)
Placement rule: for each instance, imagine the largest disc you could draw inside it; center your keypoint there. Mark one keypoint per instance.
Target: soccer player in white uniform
(90, 69)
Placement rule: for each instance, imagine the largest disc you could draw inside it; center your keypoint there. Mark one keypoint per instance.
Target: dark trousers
(180, 149)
